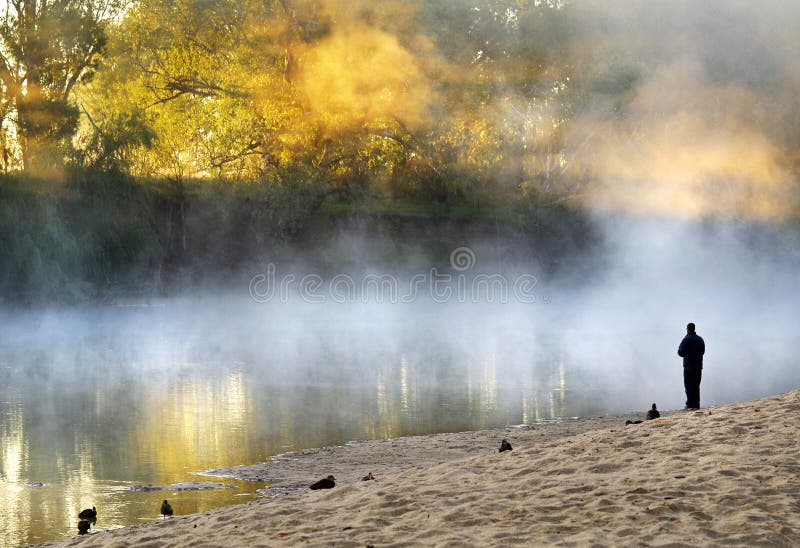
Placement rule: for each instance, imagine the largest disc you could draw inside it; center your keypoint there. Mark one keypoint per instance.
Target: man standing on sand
(691, 350)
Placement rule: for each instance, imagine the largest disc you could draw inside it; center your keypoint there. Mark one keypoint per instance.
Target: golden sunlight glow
(13, 503)
(12, 446)
(383, 424)
(196, 418)
(81, 482)
(690, 148)
(361, 75)
(488, 388)
(404, 384)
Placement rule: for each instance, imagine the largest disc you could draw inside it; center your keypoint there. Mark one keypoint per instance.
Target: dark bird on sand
(88, 513)
(166, 509)
(83, 527)
(325, 483)
(505, 446)
(653, 413)
(368, 477)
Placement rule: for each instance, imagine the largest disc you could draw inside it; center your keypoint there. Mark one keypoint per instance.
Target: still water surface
(93, 402)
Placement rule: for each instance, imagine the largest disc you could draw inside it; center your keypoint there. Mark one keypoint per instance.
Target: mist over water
(735, 280)
(98, 398)
(618, 322)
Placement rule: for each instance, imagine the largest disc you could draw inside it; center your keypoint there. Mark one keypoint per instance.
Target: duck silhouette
(88, 513)
(325, 483)
(83, 527)
(653, 413)
(166, 509)
(368, 477)
(505, 446)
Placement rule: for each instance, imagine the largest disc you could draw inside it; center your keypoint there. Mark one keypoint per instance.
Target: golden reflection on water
(185, 425)
(488, 399)
(193, 424)
(382, 427)
(158, 429)
(404, 384)
(12, 456)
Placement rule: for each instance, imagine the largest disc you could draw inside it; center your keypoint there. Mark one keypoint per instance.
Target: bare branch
(250, 150)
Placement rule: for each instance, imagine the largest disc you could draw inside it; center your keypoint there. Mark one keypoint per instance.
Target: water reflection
(130, 399)
(13, 453)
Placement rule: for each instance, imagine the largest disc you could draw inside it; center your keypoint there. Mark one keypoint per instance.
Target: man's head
(690, 327)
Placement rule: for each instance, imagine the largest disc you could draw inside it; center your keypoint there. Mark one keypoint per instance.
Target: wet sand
(349, 463)
(723, 476)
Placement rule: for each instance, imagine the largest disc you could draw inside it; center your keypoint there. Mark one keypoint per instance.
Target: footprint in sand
(629, 444)
(605, 468)
(578, 489)
(626, 532)
(729, 473)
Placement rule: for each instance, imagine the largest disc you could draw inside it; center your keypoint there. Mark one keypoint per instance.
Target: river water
(96, 401)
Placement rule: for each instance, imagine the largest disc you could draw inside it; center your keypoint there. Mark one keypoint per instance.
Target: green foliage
(201, 132)
(222, 86)
(114, 140)
(66, 249)
(38, 260)
(47, 48)
(282, 210)
(198, 114)
(249, 217)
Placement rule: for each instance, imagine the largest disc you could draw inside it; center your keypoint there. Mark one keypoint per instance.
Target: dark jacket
(691, 350)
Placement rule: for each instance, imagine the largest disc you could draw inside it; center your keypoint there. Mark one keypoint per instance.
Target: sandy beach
(722, 476)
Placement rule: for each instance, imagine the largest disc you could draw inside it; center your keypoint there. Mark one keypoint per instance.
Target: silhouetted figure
(368, 477)
(83, 527)
(505, 446)
(691, 349)
(88, 513)
(653, 413)
(166, 509)
(325, 483)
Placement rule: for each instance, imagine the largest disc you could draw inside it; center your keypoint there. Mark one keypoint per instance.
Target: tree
(436, 98)
(193, 71)
(46, 48)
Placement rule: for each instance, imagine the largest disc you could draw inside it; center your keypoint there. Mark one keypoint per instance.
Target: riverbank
(727, 475)
(349, 463)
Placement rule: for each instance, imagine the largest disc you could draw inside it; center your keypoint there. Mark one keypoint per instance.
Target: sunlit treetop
(506, 98)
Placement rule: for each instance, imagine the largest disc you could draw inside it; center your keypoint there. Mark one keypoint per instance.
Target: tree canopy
(47, 48)
(174, 134)
(474, 100)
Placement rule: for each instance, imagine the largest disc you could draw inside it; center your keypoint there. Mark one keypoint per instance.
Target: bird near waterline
(505, 446)
(166, 509)
(88, 513)
(368, 477)
(325, 483)
(83, 527)
(653, 413)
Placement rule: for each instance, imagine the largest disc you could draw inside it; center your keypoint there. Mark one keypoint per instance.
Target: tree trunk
(22, 133)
